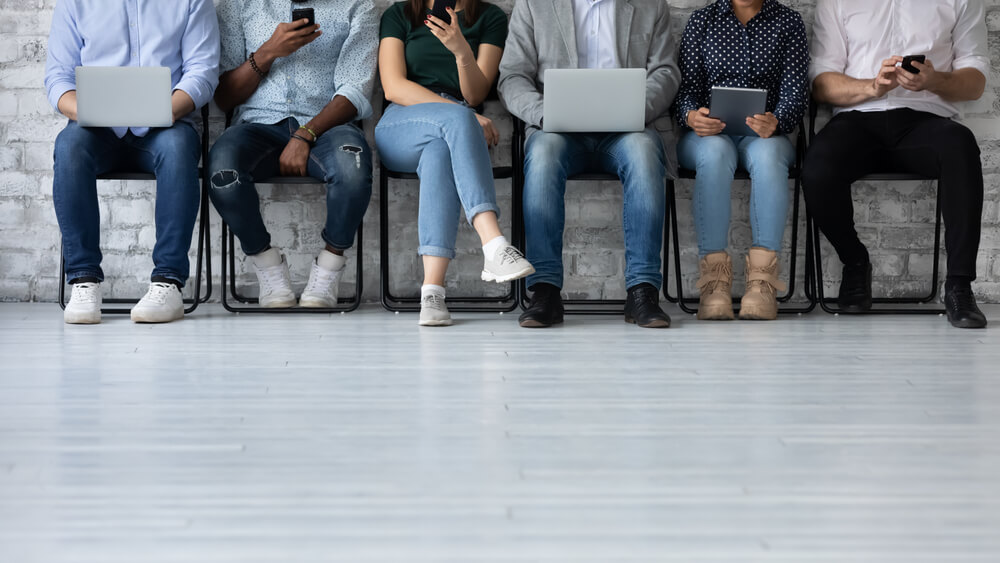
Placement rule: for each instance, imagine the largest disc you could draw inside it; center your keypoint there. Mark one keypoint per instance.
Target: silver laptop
(586, 100)
(112, 96)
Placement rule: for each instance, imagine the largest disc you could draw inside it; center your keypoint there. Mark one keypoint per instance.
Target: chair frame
(479, 304)
(829, 304)
(794, 174)
(235, 302)
(204, 254)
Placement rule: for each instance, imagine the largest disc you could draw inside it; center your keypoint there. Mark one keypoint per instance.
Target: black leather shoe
(856, 288)
(960, 303)
(642, 307)
(546, 307)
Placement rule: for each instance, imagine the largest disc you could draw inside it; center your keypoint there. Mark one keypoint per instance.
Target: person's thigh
(176, 148)
(637, 158)
(91, 150)
(341, 155)
(774, 154)
(247, 149)
(847, 148)
(928, 144)
(399, 137)
(712, 154)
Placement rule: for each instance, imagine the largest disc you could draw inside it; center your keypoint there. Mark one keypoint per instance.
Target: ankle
(431, 289)
(330, 262)
(493, 245)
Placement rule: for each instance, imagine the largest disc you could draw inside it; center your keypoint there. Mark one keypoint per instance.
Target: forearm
(841, 90)
(963, 85)
(338, 112)
(238, 84)
(473, 83)
(408, 93)
(67, 104)
(181, 104)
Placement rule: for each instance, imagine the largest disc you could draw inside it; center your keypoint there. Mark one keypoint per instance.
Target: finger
(307, 30)
(921, 66)
(437, 21)
(435, 28)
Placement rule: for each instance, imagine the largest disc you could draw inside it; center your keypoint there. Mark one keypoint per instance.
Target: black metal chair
(204, 238)
(235, 302)
(828, 304)
(571, 306)
(794, 174)
(410, 303)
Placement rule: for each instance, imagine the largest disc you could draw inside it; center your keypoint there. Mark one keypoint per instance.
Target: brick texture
(896, 221)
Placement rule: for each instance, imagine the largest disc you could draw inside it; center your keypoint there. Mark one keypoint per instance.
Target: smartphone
(908, 61)
(304, 14)
(439, 10)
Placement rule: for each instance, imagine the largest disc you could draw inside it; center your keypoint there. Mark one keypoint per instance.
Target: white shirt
(595, 33)
(854, 37)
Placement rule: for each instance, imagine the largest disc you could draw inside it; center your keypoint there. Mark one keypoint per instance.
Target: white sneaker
(84, 307)
(275, 285)
(161, 304)
(321, 291)
(434, 311)
(506, 265)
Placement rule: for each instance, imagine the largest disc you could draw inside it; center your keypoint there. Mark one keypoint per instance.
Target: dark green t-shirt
(428, 62)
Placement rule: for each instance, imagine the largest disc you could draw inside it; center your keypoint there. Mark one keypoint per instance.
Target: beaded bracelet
(253, 65)
(310, 131)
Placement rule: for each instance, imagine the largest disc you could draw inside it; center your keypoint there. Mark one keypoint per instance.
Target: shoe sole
(755, 316)
(279, 304)
(966, 324)
(856, 308)
(722, 315)
(140, 319)
(531, 323)
(655, 324)
(315, 304)
(81, 320)
(446, 322)
(487, 276)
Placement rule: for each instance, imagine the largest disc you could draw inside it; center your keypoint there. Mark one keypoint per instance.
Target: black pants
(857, 143)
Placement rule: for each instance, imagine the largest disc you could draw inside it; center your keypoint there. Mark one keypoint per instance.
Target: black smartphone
(304, 14)
(908, 61)
(439, 10)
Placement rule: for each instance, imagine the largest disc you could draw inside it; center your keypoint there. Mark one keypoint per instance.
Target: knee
(958, 139)
(644, 155)
(545, 154)
(73, 147)
(177, 147)
(459, 118)
(775, 153)
(716, 152)
(349, 170)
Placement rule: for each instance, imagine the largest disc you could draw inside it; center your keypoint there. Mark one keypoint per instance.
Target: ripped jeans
(341, 159)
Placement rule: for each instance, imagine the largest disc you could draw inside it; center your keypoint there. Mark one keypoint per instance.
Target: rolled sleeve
(354, 74)
(64, 47)
(971, 45)
(200, 51)
(829, 44)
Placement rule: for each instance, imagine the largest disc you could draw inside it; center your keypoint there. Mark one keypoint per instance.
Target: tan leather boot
(760, 302)
(716, 285)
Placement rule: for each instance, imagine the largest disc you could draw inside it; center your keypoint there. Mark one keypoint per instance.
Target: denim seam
(438, 251)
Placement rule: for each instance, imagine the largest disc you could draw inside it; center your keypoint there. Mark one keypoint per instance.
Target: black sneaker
(960, 304)
(856, 287)
(546, 307)
(643, 307)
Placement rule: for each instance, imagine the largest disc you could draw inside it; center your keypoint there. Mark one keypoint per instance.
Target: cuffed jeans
(83, 153)
(637, 159)
(341, 159)
(715, 159)
(444, 144)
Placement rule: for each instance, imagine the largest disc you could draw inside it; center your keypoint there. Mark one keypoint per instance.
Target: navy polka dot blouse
(770, 53)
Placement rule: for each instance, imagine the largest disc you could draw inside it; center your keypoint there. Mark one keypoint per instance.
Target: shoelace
(158, 292)
(510, 255)
(84, 293)
(270, 279)
(964, 298)
(433, 301)
(720, 272)
(645, 297)
(322, 279)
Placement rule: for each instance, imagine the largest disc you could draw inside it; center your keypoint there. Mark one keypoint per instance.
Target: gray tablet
(123, 96)
(734, 105)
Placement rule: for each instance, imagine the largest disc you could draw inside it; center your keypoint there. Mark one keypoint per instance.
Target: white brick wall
(894, 220)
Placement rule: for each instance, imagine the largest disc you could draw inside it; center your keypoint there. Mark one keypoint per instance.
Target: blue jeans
(637, 158)
(444, 145)
(715, 159)
(171, 154)
(341, 159)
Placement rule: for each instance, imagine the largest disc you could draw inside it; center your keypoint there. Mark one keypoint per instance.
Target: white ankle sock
(268, 258)
(490, 249)
(431, 289)
(329, 261)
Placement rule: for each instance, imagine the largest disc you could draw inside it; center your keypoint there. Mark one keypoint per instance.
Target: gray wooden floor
(362, 437)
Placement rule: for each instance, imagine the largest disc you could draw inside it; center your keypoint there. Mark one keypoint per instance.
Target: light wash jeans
(637, 158)
(444, 144)
(245, 152)
(82, 153)
(715, 160)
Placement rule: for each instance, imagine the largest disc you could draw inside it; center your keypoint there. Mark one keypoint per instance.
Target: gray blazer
(542, 35)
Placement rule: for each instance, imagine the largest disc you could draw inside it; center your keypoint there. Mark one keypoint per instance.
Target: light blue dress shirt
(182, 35)
(595, 33)
(340, 62)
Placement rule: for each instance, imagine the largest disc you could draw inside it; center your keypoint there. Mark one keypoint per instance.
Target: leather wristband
(253, 65)
(304, 140)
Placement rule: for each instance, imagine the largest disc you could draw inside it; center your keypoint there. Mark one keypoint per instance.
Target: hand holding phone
(908, 61)
(440, 10)
(304, 14)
